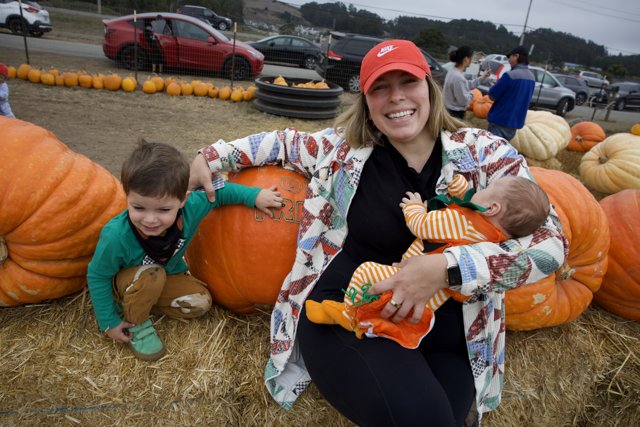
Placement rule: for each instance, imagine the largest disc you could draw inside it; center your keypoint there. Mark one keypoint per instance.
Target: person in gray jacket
(457, 89)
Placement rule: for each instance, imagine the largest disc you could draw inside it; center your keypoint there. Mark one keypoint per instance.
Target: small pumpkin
(98, 82)
(48, 79)
(212, 92)
(565, 294)
(200, 89)
(12, 72)
(23, 71)
(482, 106)
(129, 84)
(250, 268)
(34, 75)
(186, 89)
(224, 93)
(237, 94)
(112, 82)
(613, 165)
(157, 80)
(149, 87)
(48, 234)
(60, 80)
(585, 135)
(70, 79)
(635, 129)
(85, 81)
(543, 136)
(173, 89)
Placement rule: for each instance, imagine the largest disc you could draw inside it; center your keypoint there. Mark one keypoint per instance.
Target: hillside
(269, 12)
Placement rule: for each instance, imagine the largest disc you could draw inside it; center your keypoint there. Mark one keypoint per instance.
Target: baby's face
(152, 216)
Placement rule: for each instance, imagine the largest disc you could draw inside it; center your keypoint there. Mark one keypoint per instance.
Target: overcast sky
(614, 24)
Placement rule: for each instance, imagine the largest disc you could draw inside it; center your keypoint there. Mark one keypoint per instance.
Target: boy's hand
(269, 198)
(119, 333)
(410, 198)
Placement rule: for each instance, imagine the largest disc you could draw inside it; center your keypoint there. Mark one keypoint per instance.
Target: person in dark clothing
(157, 58)
(511, 96)
(396, 137)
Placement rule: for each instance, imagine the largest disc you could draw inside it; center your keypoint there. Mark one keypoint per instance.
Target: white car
(493, 62)
(34, 20)
(593, 79)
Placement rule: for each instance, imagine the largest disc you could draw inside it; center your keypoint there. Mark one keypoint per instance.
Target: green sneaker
(145, 342)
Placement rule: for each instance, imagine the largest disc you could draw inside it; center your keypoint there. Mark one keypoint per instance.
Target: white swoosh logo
(386, 50)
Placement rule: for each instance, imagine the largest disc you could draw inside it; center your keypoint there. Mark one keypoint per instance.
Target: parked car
(493, 62)
(186, 42)
(593, 79)
(207, 15)
(548, 92)
(34, 20)
(624, 95)
(578, 85)
(346, 54)
(289, 49)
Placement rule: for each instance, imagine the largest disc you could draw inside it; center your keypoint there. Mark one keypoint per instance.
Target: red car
(181, 41)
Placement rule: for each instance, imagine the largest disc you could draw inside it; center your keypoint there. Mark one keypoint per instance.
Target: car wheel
(223, 26)
(241, 69)
(580, 98)
(128, 58)
(353, 83)
(620, 104)
(563, 107)
(310, 63)
(17, 26)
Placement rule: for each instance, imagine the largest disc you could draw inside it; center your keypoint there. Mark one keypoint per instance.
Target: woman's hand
(200, 176)
(269, 198)
(418, 279)
(120, 333)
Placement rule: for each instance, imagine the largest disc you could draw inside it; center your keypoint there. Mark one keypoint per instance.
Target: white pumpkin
(613, 165)
(543, 136)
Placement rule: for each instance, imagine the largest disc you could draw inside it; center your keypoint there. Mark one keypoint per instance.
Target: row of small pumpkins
(115, 82)
(77, 197)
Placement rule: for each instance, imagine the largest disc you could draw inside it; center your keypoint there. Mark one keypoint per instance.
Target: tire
(17, 26)
(127, 58)
(241, 68)
(295, 101)
(310, 63)
(353, 83)
(620, 104)
(563, 107)
(580, 98)
(280, 110)
(223, 26)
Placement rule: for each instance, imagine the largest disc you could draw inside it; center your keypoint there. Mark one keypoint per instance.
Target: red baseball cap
(4, 70)
(392, 55)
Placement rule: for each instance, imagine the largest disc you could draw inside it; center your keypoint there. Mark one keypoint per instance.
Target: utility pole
(525, 24)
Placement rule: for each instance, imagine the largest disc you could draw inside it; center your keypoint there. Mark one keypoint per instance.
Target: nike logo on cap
(386, 50)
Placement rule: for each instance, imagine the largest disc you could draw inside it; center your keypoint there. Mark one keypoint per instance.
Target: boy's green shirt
(118, 248)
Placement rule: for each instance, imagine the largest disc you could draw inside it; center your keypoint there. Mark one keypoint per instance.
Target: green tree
(617, 70)
(433, 41)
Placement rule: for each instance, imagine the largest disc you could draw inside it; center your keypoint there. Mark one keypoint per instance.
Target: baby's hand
(269, 198)
(120, 333)
(410, 198)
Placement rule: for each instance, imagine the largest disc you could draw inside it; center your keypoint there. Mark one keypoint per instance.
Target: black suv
(346, 54)
(206, 15)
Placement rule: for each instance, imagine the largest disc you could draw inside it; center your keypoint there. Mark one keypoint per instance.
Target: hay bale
(56, 368)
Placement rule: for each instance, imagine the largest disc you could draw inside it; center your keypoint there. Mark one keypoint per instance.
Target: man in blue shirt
(511, 96)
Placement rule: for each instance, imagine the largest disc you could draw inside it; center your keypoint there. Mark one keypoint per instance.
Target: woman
(397, 137)
(457, 89)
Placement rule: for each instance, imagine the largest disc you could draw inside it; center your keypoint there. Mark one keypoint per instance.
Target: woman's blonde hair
(355, 126)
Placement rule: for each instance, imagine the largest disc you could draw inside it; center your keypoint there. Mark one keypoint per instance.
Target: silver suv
(34, 20)
(548, 92)
(593, 79)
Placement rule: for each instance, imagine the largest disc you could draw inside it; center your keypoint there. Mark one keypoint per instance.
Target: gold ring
(394, 304)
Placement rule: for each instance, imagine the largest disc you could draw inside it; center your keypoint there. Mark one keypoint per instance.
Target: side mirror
(211, 40)
(272, 44)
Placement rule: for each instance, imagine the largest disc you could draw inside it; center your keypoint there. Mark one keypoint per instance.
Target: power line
(599, 6)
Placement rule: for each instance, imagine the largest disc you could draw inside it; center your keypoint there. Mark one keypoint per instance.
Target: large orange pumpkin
(565, 294)
(243, 255)
(620, 290)
(585, 135)
(54, 204)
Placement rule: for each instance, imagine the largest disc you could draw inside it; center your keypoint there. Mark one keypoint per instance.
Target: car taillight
(30, 9)
(332, 55)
